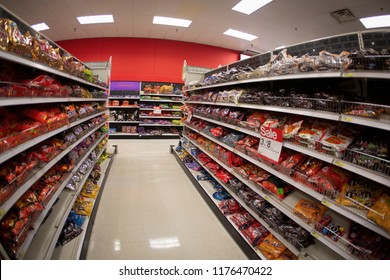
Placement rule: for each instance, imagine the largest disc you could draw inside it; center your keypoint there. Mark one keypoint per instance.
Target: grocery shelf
(311, 75)
(162, 101)
(123, 122)
(144, 124)
(44, 242)
(12, 101)
(22, 189)
(366, 74)
(286, 206)
(366, 122)
(347, 212)
(151, 109)
(292, 248)
(372, 175)
(208, 189)
(157, 117)
(26, 62)
(161, 94)
(123, 134)
(375, 176)
(24, 146)
(289, 110)
(123, 97)
(72, 250)
(122, 107)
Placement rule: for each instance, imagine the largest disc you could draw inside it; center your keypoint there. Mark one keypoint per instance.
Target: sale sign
(271, 142)
(156, 110)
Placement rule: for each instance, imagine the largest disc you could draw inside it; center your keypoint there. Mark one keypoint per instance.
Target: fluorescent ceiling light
(40, 26)
(375, 22)
(239, 34)
(281, 47)
(171, 21)
(96, 19)
(249, 6)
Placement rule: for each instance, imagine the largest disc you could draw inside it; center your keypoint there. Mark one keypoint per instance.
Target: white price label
(271, 142)
(157, 110)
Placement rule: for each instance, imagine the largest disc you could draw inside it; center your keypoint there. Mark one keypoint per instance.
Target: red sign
(271, 142)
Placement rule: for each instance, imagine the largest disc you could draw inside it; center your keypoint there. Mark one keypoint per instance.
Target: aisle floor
(150, 210)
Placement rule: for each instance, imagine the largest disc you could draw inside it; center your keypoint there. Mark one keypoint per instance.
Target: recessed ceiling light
(40, 26)
(96, 19)
(376, 22)
(171, 21)
(239, 34)
(249, 6)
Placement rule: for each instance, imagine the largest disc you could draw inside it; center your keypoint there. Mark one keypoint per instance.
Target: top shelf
(26, 62)
(161, 94)
(313, 75)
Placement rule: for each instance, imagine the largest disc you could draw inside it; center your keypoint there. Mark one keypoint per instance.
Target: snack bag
(273, 246)
(255, 233)
(309, 211)
(380, 212)
(230, 206)
(242, 220)
(358, 194)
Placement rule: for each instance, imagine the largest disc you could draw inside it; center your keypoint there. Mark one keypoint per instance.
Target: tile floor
(150, 210)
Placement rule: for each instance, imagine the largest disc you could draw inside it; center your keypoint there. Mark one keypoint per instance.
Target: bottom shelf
(205, 188)
(73, 249)
(142, 136)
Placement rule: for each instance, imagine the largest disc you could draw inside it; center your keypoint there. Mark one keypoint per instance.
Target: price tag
(347, 119)
(2, 212)
(267, 198)
(271, 142)
(339, 163)
(156, 110)
(315, 234)
(326, 203)
(348, 75)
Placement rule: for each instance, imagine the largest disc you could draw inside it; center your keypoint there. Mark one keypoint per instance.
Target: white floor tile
(151, 210)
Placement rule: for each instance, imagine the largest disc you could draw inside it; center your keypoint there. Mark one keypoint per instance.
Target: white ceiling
(282, 22)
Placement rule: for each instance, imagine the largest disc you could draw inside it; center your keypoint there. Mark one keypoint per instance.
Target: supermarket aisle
(151, 210)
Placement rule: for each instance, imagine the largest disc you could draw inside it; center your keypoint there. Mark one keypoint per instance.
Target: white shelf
(209, 190)
(366, 122)
(11, 101)
(123, 107)
(26, 62)
(377, 177)
(372, 175)
(123, 97)
(134, 122)
(44, 242)
(151, 109)
(142, 124)
(311, 75)
(123, 134)
(22, 147)
(157, 117)
(161, 94)
(162, 101)
(347, 212)
(22, 189)
(286, 206)
(292, 248)
(289, 110)
(72, 250)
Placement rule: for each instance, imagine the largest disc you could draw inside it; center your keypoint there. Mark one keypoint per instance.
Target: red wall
(141, 59)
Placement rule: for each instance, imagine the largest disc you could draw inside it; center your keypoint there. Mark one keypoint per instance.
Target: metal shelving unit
(10, 101)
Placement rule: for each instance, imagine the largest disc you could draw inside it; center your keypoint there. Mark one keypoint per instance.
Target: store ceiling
(282, 22)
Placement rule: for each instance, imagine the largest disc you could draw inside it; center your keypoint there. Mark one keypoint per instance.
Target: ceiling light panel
(40, 26)
(249, 6)
(240, 34)
(171, 21)
(96, 19)
(376, 22)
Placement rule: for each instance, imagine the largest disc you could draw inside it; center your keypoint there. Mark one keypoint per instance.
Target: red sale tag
(271, 142)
